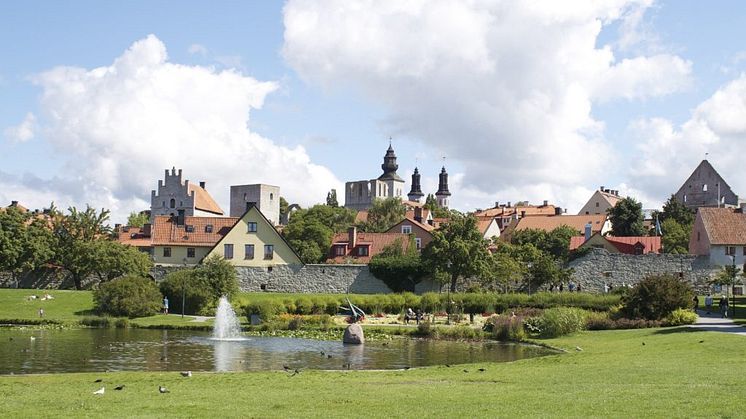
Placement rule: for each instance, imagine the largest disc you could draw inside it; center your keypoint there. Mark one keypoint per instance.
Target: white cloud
(23, 131)
(669, 153)
(198, 49)
(506, 88)
(120, 126)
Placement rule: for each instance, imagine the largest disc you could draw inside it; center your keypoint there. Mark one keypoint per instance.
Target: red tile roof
(577, 222)
(203, 201)
(651, 244)
(724, 225)
(507, 211)
(167, 233)
(375, 242)
(133, 236)
(483, 223)
(361, 216)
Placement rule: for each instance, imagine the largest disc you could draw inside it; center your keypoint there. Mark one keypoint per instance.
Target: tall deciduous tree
(555, 242)
(310, 230)
(25, 242)
(458, 250)
(626, 218)
(137, 219)
(383, 215)
(675, 237)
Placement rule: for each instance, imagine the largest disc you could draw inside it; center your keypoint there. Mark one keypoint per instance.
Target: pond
(24, 351)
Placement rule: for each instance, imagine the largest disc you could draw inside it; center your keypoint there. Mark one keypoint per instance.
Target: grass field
(671, 375)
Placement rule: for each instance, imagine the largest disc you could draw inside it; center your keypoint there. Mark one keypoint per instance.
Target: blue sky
(350, 78)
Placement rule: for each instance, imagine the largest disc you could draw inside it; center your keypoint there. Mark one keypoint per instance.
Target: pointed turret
(416, 193)
(389, 166)
(443, 193)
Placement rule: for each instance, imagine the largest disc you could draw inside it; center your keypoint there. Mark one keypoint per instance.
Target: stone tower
(443, 195)
(175, 194)
(706, 188)
(266, 198)
(394, 183)
(416, 193)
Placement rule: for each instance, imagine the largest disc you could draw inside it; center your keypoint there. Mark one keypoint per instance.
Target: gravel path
(714, 323)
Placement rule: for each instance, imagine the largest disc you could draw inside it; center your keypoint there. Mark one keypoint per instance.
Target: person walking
(696, 302)
(165, 305)
(723, 305)
(708, 303)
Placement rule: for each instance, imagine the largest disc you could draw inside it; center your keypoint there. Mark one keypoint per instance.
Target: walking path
(714, 323)
(198, 319)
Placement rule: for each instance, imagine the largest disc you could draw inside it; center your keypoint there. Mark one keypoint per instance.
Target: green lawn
(671, 375)
(70, 307)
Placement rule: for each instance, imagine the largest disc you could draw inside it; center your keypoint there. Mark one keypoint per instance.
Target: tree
(130, 296)
(673, 209)
(556, 242)
(310, 231)
(626, 218)
(655, 297)
(503, 271)
(137, 219)
(110, 259)
(457, 249)
(675, 237)
(383, 215)
(400, 270)
(283, 207)
(25, 242)
(331, 198)
(431, 203)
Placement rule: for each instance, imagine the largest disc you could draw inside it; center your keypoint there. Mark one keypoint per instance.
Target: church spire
(443, 193)
(416, 193)
(389, 166)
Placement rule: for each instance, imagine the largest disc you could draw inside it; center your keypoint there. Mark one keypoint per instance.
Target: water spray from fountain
(226, 325)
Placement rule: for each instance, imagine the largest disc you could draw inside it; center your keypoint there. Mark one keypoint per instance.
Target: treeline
(80, 242)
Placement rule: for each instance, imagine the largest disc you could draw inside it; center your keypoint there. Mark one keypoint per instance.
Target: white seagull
(100, 391)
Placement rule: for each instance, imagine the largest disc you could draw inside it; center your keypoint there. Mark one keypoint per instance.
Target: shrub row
(473, 303)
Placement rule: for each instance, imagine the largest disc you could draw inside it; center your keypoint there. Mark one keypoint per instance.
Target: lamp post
(733, 287)
(183, 291)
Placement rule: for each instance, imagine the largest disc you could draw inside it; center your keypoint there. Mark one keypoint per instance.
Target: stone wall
(600, 267)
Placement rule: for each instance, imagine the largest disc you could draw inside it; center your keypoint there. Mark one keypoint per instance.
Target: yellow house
(253, 241)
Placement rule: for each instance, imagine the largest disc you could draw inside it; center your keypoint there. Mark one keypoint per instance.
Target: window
(406, 229)
(704, 188)
(166, 252)
(228, 251)
(418, 242)
(271, 196)
(744, 250)
(269, 251)
(596, 204)
(190, 252)
(252, 227)
(208, 228)
(730, 250)
(698, 236)
(248, 251)
(172, 203)
(362, 251)
(339, 250)
(189, 229)
(684, 198)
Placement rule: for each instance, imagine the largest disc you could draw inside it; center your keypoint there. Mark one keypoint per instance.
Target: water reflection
(164, 350)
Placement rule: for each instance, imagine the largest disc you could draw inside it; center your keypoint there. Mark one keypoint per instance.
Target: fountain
(226, 325)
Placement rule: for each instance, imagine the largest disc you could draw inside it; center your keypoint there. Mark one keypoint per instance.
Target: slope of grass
(671, 375)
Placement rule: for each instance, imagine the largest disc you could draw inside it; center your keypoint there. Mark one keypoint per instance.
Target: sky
(532, 101)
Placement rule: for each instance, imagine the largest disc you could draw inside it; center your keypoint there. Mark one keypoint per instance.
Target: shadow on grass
(89, 312)
(676, 329)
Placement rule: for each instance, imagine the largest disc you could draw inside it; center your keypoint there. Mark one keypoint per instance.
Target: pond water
(25, 351)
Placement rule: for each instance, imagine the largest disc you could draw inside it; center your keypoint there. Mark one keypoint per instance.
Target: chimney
(557, 211)
(546, 203)
(588, 228)
(146, 229)
(116, 226)
(13, 203)
(497, 204)
(418, 214)
(180, 218)
(523, 214)
(508, 204)
(601, 188)
(351, 237)
(202, 184)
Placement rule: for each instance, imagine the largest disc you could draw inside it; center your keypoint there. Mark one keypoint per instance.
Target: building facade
(174, 195)
(265, 197)
(706, 188)
(600, 201)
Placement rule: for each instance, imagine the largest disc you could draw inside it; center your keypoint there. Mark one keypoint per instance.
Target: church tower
(443, 194)
(416, 193)
(394, 183)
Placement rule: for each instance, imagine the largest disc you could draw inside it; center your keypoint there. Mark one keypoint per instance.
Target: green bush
(130, 296)
(680, 316)
(266, 309)
(430, 302)
(203, 286)
(505, 328)
(559, 321)
(656, 297)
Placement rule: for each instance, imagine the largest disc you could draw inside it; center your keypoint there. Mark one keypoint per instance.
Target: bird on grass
(323, 353)
(100, 391)
(33, 338)
(701, 341)
(120, 387)
(482, 370)
(295, 372)
(286, 368)
(448, 365)
(186, 373)
(99, 380)
(579, 349)
(643, 344)
(329, 357)
(346, 366)
(163, 390)
(466, 370)
(407, 367)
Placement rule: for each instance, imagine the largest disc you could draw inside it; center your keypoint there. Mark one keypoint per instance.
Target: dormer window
(406, 229)
(362, 251)
(339, 250)
(208, 228)
(189, 228)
